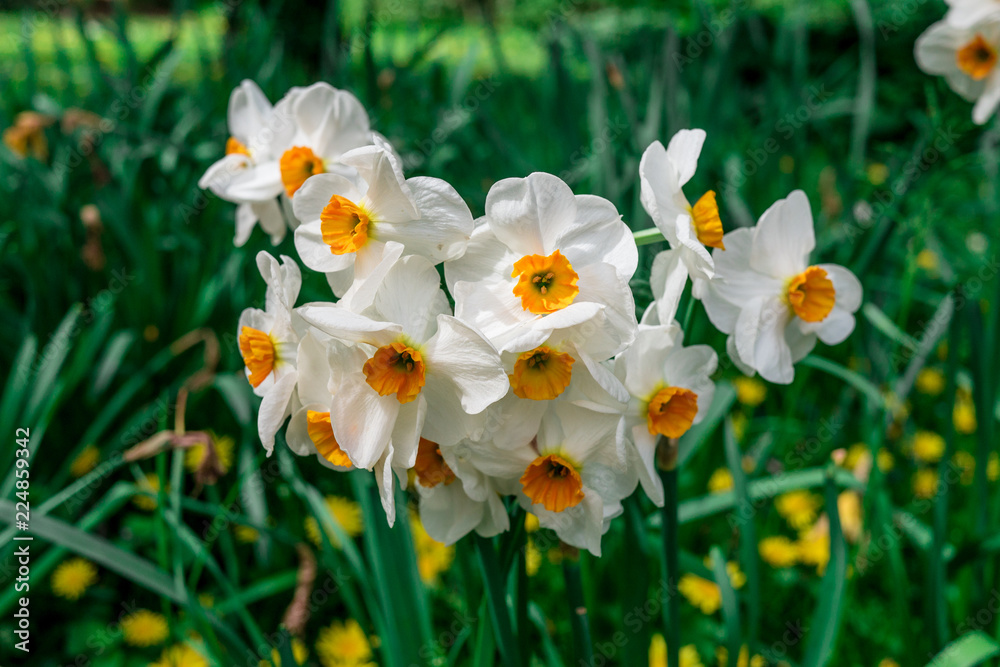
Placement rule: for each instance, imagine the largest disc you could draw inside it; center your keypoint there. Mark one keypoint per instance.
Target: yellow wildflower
(928, 446)
(246, 534)
(886, 461)
(27, 135)
(798, 507)
(930, 381)
(778, 551)
(73, 577)
(531, 522)
(743, 661)
(532, 558)
(344, 643)
(299, 652)
(966, 463)
(85, 461)
(149, 485)
(964, 414)
(993, 467)
(144, 628)
(925, 483)
(849, 508)
(345, 512)
(180, 655)
(701, 592)
(750, 392)
(927, 260)
(720, 481)
(658, 654)
(814, 546)
(224, 446)
(888, 662)
(433, 558)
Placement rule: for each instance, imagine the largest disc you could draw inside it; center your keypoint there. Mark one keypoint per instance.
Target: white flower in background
(273, 151)
(254, 128)
(348, 221)
(688, 228)
(571, 476)
(455, 497)
(967, 58)
(404, 368)
(771, 301)
(268, 341)
(545, 264)
(670, 390)
(309, 429)
(967, 13)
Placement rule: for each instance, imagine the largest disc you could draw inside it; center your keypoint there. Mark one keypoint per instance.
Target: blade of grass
(667, 463)
(826, 621)
(730, 606)
(583, 646)
(493, 579)
(747, 531)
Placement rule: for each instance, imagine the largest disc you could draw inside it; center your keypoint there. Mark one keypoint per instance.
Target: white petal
(333, 120)
(783, 238)
(444, 222)
(411, 296)
(249, 111)
(362, 420)
(314, 195)
(274, 409)
(345, 325)
(521, 211)
(988, 101)
(316, 254)
(667, 279)
(460, 354)
(683, 152)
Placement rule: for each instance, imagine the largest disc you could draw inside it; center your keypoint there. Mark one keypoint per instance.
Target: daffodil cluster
(498, 356)
(963, 48)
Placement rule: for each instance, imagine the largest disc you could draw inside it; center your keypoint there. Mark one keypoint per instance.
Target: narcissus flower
(268, 342)
(689, 229)
(670, 390)
(573, 475)
(544, 262)
(967, 13)
(404, 368)
(348, 220)
(967, 56)
(770, 300)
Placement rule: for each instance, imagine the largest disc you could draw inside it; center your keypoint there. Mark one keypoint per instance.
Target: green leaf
(730, 607)
(968, 650)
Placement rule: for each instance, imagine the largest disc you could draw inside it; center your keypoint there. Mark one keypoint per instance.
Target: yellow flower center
(977, 58)
(541, 374)
(297, 164)
(397, 369)
(344, 225)
(707, 223)
(671, 411)
(321, 433)
(554, 482)
(234, 145)
(811, 294)
(545, 284)
(430, 467)
(257, 349)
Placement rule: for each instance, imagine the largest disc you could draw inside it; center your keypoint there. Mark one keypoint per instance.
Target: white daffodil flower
(255, 128)
(455, 497)
(268, 341)
(405, 368)
(348, 221)
(670, 390)
(967, 13)
(570, 476)
(771, 301)
(663, 172)
(967, 57)
(309, 429)
(547, 266)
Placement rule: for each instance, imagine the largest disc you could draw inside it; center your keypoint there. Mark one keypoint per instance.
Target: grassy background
(823, 96)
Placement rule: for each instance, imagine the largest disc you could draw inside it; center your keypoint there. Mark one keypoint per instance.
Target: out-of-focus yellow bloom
(702, 593)
(73, 577)
(530, 522)
(85, 461)
(786, 163)
(798, 507)
(925, 483)
(224, 446)
(750, 392)
(930, 381)
(993, 467)
(144, 628)
(345, 512)
(877, 173)
(886, 461)
(928, 260)
(180, 655)
(658, 654)
(966, 463)
(246, 534)
(850, 511)
(739, 421)
(964, 414)
(814, 546)
(27, 135)
(743, 661)
(888, 662)
(720, 481)
(299, 652)
(206, 600)
(855, 454)
(344, 645)
(433, 558)
(532, 558)
(150, 485)
(928, 446)
(778, 551)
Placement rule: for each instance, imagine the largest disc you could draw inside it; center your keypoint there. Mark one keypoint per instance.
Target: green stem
(578, 618)
(671, 549)
(647, 236)
(493, 580)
